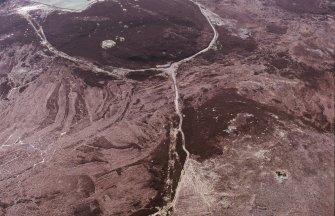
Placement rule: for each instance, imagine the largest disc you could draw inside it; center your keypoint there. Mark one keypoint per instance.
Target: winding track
(170, 69)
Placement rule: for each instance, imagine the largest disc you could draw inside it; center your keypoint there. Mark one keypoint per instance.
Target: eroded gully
(172, 71)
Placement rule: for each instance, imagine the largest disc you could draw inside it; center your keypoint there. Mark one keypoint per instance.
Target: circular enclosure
(130, 33)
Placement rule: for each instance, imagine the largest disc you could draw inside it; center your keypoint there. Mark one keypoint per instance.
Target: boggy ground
(259, 123)
(146, 32)
(307, 6)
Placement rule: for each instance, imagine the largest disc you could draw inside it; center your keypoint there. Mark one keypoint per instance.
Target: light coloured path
(172, 71)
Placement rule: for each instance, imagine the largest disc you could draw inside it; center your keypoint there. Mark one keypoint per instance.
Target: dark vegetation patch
(158, 167)
(307, 6)
(230, 44)
(93, 79)
(280, 63)
(88, 209)
(103, 143)
(281, 174)
(5, 87)
(142, 75)
(144, 212)
(22, 88)
(276, 29)
(52, 107)
(206, 125)
(283, 65)
(17, 30)
(318, 120)
(155, 32)
(80, 108)
(85, 185)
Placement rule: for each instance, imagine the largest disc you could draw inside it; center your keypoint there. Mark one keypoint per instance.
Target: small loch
(74, 5)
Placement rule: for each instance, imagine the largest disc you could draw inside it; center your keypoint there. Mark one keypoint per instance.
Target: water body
(75, 5)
